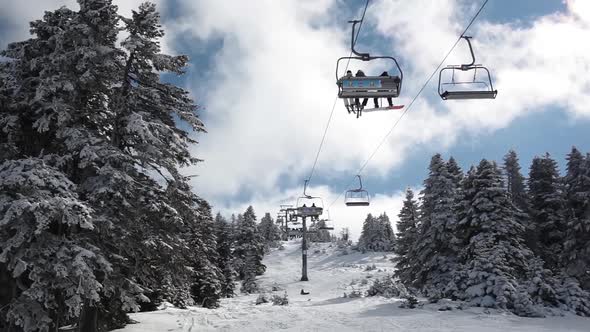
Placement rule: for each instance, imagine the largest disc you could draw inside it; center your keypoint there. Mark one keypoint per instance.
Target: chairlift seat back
(309, 211)
(369, 87)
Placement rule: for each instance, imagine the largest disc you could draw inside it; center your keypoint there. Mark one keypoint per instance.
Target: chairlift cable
(335, 100)
(384, 139)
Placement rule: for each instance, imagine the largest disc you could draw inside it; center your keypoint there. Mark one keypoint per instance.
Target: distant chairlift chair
(466, 89)
(312, 210)
(357, 197)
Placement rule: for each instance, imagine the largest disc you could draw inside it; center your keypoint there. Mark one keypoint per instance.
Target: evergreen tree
(249, 272)
(366, 240)
(320, 235)
(84, 125)
(517, 193)
(494, 256)
(249, 249)
(515, 182)
(547, 206)
(407, 228)
(269, 231)
(377, 234)
(436, 250)
(206, 285)
(225, 246)
(387, 238)
(455, 172)
(577, 192)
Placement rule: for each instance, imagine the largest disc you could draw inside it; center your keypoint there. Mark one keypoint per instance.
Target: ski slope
(325, 309)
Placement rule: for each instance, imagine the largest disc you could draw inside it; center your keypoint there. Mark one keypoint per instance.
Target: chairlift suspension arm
(363, 56)
(469, 65)
(305, 189)
(360, 183)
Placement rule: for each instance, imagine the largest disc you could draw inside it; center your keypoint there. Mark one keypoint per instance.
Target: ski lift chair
(329, 226)
(309, 206)
(475, 89)
(350, 87)
(358, 196)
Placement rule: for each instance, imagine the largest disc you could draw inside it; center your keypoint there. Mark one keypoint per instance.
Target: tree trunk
(89, 319)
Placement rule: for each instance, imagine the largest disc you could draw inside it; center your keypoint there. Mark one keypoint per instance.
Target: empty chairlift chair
(357, 197)
(473, 89)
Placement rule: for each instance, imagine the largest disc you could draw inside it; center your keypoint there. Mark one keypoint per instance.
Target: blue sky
(263, 71)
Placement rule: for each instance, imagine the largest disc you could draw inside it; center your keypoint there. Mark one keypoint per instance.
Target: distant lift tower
(313, 211)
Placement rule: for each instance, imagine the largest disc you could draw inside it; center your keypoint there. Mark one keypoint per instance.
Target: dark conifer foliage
(269, 231)
(577, 192)
(249, 249)
(435, 252)
(547, 210)
(225, 250)
(377, 234)
(493, 255)
(517, 193)
(407, 237)
(515, 181)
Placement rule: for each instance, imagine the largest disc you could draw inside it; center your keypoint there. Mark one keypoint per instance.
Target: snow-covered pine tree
(515, 181)
(577, 192)
(377, 234)
(99, 122)
(517, 193)
(368, 233)
(407, 232)
(207, 281)
(225, 245)
(46, 221)
(249, 272)
(436, 250)
(494, 255)
(249, 249)
(547, 211)
(269, 231)
(455, 172)
(386, 240)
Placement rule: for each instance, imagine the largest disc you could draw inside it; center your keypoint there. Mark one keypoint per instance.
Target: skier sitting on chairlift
(376, 100)
(349, 102)
(360, 73)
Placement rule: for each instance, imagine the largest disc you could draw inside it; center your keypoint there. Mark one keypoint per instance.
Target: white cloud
(580, 9)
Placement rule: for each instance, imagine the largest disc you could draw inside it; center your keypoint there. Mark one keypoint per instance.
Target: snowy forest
(494, 238)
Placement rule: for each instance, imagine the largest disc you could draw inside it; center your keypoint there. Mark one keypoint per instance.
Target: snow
(325, 309)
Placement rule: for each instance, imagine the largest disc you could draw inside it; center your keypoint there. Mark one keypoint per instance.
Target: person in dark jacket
(349, 102)
(389, 101)
(360, 73)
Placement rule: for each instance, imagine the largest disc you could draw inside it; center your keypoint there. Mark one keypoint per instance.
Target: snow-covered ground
(331, 274)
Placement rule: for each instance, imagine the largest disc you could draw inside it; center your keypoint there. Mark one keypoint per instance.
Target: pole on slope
(304, 252)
